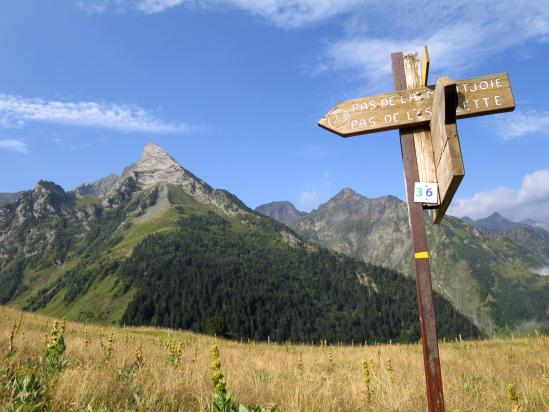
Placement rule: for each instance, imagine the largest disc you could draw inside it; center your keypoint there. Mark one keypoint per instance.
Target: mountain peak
(282, 211)
(156, 167)
(347, 191)
(153, 148)
(496, 222)
(154, 158)
(44, 187)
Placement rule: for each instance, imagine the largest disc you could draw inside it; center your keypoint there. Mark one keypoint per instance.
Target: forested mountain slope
(490, 275)
(159, 246)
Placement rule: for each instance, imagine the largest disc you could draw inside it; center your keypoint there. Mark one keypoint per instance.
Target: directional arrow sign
(413, 107)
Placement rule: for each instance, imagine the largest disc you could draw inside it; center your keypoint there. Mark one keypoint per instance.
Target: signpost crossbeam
(412, 107)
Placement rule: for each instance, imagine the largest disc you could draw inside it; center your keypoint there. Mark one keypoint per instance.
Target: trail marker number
(426, 193)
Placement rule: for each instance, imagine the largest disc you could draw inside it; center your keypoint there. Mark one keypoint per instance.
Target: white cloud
(521, 123)
(17, 110)
(17, 146)
(284, 13)
(369, 57)
(292, 13)
(156, 6)
(530, 201)
(316, 193)
(459, 34)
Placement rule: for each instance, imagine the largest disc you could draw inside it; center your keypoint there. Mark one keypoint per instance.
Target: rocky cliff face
(375, 230)
(31, 223)
(156, 167)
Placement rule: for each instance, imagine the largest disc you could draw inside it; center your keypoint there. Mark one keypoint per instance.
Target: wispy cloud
(283, 13)
(460, 33)
(530, 201)
(367, 59)
(521, 123)
(316, 193)
(13, 145)
(17, 110)
(309, 199)
(156, 6)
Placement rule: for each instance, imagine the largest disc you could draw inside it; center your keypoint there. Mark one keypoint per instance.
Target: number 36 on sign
(426, 192)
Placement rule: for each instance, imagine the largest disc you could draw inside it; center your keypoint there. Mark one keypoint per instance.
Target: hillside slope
(490, 275)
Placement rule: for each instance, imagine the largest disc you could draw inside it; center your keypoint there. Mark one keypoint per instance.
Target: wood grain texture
(413, 107)
(446, 147)
(422, 136)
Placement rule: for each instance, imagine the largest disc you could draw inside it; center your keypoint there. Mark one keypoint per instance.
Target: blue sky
(233, 90)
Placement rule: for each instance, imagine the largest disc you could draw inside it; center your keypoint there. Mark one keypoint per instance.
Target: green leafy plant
(28, 393)
(176, 352)
(367, 385)
(54, 349)
(108, 349)
(29, 387)
(128, 371)
(221, 398)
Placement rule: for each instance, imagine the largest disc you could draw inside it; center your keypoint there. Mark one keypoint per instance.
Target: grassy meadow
(45, 365)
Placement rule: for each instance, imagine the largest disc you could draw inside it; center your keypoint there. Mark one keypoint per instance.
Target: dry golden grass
(476, 374)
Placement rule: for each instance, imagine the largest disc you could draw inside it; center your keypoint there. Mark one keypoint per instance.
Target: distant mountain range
(491, 269)
(497, 222)
(159, 246)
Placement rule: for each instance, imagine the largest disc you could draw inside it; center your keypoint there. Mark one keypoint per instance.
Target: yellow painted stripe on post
(422, 255)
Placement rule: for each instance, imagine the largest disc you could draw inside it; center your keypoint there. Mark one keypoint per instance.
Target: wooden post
(422, 135)
(427, 318)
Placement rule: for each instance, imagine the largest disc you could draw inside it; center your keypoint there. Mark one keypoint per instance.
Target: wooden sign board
(413, 107)
(448, 161)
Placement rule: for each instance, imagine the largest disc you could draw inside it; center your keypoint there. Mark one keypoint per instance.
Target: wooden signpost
(413, 107)
(433, 166)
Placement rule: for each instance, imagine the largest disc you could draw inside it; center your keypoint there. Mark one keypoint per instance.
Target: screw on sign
(431, 154)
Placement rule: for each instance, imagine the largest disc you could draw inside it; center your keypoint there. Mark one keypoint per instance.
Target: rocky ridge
(284, 211)
(156, 167)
